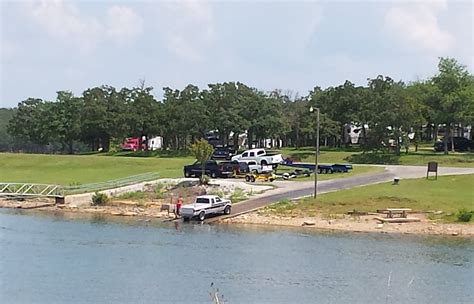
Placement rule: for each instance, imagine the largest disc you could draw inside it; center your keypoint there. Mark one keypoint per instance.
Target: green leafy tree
(143, 113)
(34, 121)
(68, 111)
(104, 116)
(202, 150)
(455, 96)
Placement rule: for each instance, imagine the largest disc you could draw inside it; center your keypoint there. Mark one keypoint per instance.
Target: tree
(202, 150)
(142, 113)
(33, 121)
(455, 102)
(68, 111)
(104, 116)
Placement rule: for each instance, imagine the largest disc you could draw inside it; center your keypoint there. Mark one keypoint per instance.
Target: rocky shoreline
(343, 223)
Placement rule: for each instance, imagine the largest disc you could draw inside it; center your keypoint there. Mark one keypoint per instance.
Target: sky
(48, 46)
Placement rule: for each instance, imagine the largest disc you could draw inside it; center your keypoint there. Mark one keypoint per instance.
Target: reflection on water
(63, 258)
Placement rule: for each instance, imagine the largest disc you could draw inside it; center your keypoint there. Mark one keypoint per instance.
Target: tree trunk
(363, 144)
(71, 150)
(249, 139)
(452, 138)
(445, 139)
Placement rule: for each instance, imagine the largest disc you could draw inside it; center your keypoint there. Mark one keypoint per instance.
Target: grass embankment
(422, 157)
(447, 194)
(82, 169)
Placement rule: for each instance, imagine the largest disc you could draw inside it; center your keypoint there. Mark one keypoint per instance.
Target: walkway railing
(121, 182)
(45, 190)
(29, 190)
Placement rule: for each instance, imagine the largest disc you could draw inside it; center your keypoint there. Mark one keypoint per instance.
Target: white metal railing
(29, 190)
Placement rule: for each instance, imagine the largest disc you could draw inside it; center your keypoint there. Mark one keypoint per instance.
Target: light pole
(316, 154)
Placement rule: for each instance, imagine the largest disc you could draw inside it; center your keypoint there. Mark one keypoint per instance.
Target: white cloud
(416, 26)
(65, 22)
(187, 28)
(123, 24)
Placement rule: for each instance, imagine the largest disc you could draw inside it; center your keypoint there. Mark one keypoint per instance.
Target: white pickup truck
(260, 156)
(204, 205)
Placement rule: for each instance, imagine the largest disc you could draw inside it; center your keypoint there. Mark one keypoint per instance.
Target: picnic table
(394, 211)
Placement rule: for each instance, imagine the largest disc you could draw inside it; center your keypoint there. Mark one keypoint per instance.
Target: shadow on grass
(374, 158)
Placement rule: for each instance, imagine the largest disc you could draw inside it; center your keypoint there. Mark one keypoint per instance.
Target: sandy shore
(366, 223)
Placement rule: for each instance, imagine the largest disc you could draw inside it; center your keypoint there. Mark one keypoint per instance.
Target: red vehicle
(131, 144)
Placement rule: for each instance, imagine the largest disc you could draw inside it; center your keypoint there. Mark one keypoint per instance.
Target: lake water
(53, 259)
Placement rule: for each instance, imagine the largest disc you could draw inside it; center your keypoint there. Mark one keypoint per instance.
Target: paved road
(292, 190)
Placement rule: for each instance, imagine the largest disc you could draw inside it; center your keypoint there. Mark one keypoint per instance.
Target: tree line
(385, 110)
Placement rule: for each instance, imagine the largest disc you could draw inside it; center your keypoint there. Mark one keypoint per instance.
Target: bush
(99, 199)
(464, 215)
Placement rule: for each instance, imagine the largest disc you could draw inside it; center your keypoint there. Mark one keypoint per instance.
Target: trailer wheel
(247, 178)
(252, 178)
(330, 171)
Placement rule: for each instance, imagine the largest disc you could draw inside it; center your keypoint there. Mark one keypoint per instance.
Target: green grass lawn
(82, 169)
(422, 157)
(357, 170)
(448, 194)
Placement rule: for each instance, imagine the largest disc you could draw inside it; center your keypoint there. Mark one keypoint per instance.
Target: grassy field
(81, 169)
(356, 157)
(448, 194)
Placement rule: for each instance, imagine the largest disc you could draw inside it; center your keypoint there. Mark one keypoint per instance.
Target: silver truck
(204, 205)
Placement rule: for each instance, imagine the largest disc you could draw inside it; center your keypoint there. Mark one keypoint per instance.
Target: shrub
(99, 199)
(237, 195)
(464, 215)
(137, 195)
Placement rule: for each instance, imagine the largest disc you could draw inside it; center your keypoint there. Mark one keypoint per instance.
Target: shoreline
(362, 224)
(342, 223)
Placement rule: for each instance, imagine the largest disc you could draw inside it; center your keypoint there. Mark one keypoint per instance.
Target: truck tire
(202, 216)
(213, 174)
(227, 210)
(263, 163)
(187, 174)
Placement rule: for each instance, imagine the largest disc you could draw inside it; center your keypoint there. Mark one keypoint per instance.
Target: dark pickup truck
(211, 168)
(223, 153)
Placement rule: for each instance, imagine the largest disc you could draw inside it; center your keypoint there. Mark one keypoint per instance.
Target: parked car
(460, 144)
(223, 153)
(260, 156)
(211, 168)
(205, 205)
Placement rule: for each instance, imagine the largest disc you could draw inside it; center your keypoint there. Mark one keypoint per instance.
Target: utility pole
(316, 154)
